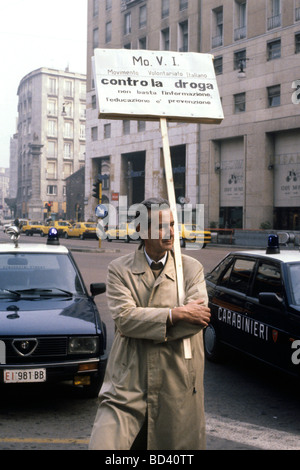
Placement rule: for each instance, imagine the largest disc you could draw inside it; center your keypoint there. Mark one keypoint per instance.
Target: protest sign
(149, 85)
(159, 85)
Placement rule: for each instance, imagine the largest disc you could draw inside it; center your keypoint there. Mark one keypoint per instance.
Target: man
(152, 395)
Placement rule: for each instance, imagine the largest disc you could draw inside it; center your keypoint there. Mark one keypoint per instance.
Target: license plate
(24, 375)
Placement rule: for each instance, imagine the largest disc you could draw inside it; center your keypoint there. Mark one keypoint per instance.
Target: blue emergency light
(53, 237)
(273, 245)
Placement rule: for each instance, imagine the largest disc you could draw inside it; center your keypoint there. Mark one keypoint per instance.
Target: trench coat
(147, 371)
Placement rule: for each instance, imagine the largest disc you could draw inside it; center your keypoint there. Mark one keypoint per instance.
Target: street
(248, 405)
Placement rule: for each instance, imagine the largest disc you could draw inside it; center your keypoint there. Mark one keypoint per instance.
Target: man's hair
(155, 204)
(154, 201)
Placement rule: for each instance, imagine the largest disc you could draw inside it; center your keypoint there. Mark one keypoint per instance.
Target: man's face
(160, 233)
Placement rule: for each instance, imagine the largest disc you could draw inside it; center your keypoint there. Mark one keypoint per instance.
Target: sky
(34, 34)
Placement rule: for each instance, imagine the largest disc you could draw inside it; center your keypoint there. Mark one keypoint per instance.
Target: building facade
(246, 171)
(51, 140)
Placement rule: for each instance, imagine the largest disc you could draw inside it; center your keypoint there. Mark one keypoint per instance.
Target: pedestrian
(152, 394)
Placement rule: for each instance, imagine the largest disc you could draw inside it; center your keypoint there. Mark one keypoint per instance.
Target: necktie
(156, 268)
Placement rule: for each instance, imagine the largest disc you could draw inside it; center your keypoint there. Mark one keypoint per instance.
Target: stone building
(246, 171)
(51, 140)
(75, 196)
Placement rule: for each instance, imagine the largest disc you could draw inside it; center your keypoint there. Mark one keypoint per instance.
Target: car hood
(25, 317)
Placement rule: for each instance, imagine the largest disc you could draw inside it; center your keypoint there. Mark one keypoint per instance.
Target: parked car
(82, 230)
(121, 232)
(60, 225)
(254, 298)
(188, 232)
(32, 227)
(51, 329)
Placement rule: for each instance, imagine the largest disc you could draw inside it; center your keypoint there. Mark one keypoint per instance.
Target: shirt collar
(162, 260)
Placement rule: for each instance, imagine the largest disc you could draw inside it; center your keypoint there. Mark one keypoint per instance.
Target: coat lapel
(141, 267)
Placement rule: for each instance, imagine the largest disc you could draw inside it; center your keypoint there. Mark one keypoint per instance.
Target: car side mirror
(97, 288)
(271, 299)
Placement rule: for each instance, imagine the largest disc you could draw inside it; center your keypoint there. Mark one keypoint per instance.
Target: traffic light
(95, 192)
(48, 206)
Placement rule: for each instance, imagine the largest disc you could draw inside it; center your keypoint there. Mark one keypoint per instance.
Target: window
(274, 18)
(183, 37)
(218, 65)
(274, 49)
(217, 39)
(52, 107)
(239, 59)
(51, 170)
(142, 43)
(68, 170)
(51, 190)
(108, 4)
(294, 278)
(107, 131)
(82, 111)
(127, 23)
(238, 276)
(95, 38)
(68, 130)
(82, 132)
(267, 279)
(68, 153)
(297, 43)
(52, 86)
(213, 276)
(82, 152)
(95, 7)
(183, 4)
(82, 91)
(143, 16)
(165, 6)
(52, 128)
(68, 88)
(94, 102)
(240, 20)
(126, 126)
(108, 29)
(94, 133)
(273, 96)
(165, 39)
(240, 103)
(141, 126)
(51, 149)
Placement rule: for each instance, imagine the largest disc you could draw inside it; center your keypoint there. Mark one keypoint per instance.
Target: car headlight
(83, 345)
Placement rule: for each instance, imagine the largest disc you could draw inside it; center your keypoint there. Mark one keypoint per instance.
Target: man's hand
(193, 312)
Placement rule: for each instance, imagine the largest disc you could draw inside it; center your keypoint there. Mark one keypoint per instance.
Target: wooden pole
(172, 201)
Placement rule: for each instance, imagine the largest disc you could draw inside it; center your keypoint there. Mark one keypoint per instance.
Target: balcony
(274, 22)
(125, 4)
(240, 33)
(217, 41)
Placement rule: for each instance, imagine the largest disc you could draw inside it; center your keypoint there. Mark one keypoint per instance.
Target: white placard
(149, 85)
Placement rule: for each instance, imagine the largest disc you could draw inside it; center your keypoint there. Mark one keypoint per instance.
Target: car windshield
(294, 278)
(38, 274)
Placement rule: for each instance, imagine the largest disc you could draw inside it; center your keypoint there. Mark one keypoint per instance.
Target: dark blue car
(50, 328)
(254, 298)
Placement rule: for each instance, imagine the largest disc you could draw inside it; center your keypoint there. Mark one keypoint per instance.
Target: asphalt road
(248, 406)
